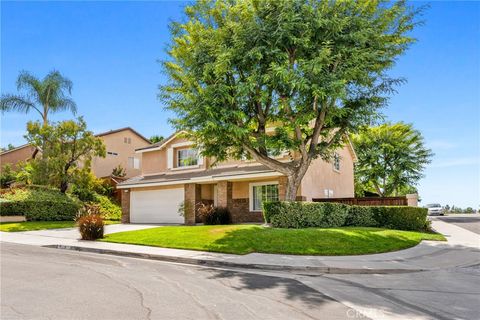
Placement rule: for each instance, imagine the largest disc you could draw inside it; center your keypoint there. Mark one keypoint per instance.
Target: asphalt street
(43, 283)
(470, 222)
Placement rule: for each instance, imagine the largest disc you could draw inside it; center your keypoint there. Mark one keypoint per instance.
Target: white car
(434, 209)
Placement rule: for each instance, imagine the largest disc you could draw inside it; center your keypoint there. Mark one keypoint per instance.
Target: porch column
(224, 194)
(191, 200)
(125, 196)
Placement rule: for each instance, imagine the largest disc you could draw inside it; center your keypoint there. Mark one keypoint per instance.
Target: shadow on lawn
(345, 241)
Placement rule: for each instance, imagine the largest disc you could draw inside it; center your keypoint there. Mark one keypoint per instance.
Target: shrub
(328, 215)
(360, 216)
(213, 215)
(401, 218)
(108, 208)
(90, 226)
(7, 175)
(39, 204)
(292, 214)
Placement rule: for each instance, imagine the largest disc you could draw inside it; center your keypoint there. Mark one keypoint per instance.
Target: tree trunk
(295, 179)
(63, 186)
(293, 183)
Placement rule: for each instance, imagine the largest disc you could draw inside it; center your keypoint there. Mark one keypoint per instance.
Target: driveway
(470, 222)
(72, 233)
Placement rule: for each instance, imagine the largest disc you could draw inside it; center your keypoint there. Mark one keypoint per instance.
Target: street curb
(218, 263)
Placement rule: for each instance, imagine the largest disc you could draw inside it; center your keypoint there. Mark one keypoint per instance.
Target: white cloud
(455, 162)
(441, 145)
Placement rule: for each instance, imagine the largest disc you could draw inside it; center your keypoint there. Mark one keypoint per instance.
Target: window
(187, 157)
(336, 162)
(260, 192)
(127, 140)
(112, 153)
(133, 163)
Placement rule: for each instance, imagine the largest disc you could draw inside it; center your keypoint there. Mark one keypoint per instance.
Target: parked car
(434, 209)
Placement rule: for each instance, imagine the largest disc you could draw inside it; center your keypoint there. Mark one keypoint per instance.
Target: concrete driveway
(72, 233)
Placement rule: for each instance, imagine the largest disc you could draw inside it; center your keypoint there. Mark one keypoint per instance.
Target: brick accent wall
(239, 210)
(125, 205)
(192, 198)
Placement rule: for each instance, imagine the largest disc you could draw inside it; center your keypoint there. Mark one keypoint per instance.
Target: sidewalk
(461, 249)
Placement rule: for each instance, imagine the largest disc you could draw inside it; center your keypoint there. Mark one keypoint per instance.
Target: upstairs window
(187, 158)
(133, 163)
(110, 153)
(336, 162)
(127, 140)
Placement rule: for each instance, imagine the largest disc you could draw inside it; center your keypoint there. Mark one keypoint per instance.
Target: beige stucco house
(16, 155)
(173, 175)
(121, 145)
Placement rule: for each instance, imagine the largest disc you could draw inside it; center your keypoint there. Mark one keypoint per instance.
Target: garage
(156, 206)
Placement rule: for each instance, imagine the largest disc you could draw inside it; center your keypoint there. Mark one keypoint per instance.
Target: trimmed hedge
(109, 209)
(39, 205)
(330, 215)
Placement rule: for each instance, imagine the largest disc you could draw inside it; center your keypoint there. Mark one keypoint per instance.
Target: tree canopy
(45, 96)
(391, 158)
(67, 151)
(266, 77)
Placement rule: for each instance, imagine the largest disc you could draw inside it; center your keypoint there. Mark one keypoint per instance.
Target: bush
(400, 218)
(39, 204)
(90, 226)
(214, 215)
(292, 214)
(7, 176)
(360, 216)
(109, 209)
(329, 215)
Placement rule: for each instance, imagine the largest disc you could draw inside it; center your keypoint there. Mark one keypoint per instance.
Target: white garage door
(156, 206)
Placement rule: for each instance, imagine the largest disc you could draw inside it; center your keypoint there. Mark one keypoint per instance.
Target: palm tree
(47, 95)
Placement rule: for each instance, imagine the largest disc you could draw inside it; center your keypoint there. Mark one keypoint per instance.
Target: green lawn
(243, 239)
(39, 225)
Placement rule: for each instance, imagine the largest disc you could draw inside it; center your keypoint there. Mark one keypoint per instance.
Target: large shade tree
(45, 96)
(311, 69)
(391, 158)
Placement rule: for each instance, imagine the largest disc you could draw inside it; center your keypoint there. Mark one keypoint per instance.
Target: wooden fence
(367, 201)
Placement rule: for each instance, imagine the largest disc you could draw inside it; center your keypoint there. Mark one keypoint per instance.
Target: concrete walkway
(461, 249)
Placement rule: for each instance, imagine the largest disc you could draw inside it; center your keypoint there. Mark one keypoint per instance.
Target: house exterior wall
(114, 142)
(321, 176)
(235, 193)
(15, 156)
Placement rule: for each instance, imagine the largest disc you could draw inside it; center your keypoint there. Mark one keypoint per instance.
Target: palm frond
(10, 102)
(65, 104)
(29, 82)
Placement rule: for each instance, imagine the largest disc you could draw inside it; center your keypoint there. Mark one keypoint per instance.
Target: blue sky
(110, 51)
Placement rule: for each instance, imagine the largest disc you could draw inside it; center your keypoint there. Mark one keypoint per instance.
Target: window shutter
(170, 158)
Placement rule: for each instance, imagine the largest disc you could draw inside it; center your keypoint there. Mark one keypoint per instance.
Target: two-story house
(120, 144)
(174, 176)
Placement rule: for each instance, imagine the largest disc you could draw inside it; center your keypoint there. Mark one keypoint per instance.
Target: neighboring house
(16, 155)
(120, 145)
(174, 176)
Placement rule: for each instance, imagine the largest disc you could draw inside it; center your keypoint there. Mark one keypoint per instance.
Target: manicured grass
(243, 239)
(39, 225)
